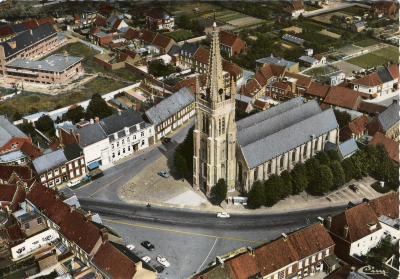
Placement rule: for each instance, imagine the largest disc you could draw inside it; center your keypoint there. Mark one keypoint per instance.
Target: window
(255, 174)
(293, 155)
(269, 167)
(26, 225)
(319, 255)
(39, 220)
(78, 172)
(76, 163)
(282, 162)
(316, 144)
(119, 153)
(305, 151)
(313, 259)
(123, 150)
(289, 270)
(223, 125)
(300, 264)
(327, 252)
(129, 148)
(306, 262)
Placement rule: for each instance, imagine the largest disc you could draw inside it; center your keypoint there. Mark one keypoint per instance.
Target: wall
(98, 151)
(363, 245)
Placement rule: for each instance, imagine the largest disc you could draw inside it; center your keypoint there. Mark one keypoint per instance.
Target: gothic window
(223, 175)
(282, 161)
(316, 145)
(219, 126)
(269, 168)
(255, 174)
(305, 150)
(223, 125)
(293, 155)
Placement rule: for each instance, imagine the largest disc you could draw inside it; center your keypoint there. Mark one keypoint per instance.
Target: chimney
(12, 44)
(97, 119)
(321, 220)
(328, 222)
(219, 261)
(345, 231)
(250, 250)
(285, 237)
(104, 235)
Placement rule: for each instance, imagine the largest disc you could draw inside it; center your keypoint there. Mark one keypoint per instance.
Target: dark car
(166, 140)
(146, 244)
(354, 188)
(159, 268)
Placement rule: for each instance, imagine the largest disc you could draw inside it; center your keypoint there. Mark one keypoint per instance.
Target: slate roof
(72, 151)
(90, 134)
(118, 122)
(348, 147)
(49, 161)
(293, 39)
(26, 39)
(258, 150)
(276, 61)
(8, 131)
(389, 117)
(308, 59)
(53, 63)
(170, 106)
(189, 48)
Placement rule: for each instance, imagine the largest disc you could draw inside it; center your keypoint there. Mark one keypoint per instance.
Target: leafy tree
(333, 155)
(287, 184)
(46, 125)
(322, 181)
(339, 176)
(323, 158)
(348, 168)
(75, 114)
(97, 107)
(256, 196)
(273, 190)
(311, 166)
(342, 117)
(183, 156)
(219, 191)
(158, 69)
(299, 179)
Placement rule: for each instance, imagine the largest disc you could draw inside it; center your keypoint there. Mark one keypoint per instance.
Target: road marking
(105, 186)
(209, 253)
(181, 232)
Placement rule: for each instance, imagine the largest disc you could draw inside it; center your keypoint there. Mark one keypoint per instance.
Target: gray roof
(276, 123)
(308, 59)
(389, 117)
(170, 106)
(261, 116)
(243, 98)
(293, 39)
(90, 134)
(8, 131)
(49, 161)
(11, 156)
(276, 61)
(53, 63)
(348, 147)
(117, 122)
(72, 151)
(264, 149)
(384, 74)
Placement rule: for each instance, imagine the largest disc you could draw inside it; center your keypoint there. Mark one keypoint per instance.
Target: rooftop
(53, 63)
(49, 161)
(8, 131)
(276, 61)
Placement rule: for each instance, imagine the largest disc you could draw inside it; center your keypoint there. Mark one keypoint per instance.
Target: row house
(171, 112)
(287, 134)
(86, 241)
(231, 44)
(299, 254)
(295, 8)
(9, 31)
(159, 19)
(149, 38)
(355, 129)
(60, 166)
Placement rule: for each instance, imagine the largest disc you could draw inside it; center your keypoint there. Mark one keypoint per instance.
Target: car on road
(130, 247)
(163, 261)
(159, 268)
(73, 182)
(166, 140)
(223, 215)
(146, 259)
(164, 174)
(354, 188)
(147, 244)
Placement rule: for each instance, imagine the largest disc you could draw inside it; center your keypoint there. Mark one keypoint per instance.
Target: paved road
(106, 187)
(336, 7)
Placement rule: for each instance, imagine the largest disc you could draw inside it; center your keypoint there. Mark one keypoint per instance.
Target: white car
(73, 182)
(163, 261)
(130, 247)
(223, 215)
(146, 259)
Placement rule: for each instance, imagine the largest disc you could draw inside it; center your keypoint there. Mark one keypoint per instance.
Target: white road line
(209, 253)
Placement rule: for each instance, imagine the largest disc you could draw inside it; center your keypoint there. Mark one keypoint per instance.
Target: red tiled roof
(232, 68)
(48, 20)
(100, 21)
(148, 36)
(302, 80)
(250, 88)
(394, 71)
(343, 97)
(201, 55)
(261, 104)
(132, 34)
(387, 205)
(391, 146)
(227, 38)
(281, 85)
(14, 233)
(113, 262)
(358, 125)
(25, 173)
(7, 192)
(30, 24)
(6, 30)
(162, 41)
(317, 90)
(370, 80)
(30, 150)
(358, 219)
(370, 108)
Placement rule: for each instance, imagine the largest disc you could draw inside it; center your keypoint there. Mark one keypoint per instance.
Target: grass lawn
(376, 58)
(354, 10)
(28, 103)
(366, 43)
(180, 35)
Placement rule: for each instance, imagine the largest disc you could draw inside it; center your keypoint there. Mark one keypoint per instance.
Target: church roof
(275, 131)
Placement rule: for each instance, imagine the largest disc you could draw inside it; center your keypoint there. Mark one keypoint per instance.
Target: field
(233, 18)
(180, 35)
(376, 58)
(326, 18)
(366, 43)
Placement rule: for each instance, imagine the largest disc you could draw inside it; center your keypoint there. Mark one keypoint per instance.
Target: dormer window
(372, 226)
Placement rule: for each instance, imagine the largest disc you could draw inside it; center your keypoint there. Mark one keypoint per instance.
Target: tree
(342, 117)
(219, 191)
(333, 155)
(158, 69)
(323, 158)
(97, 108)
(75, 114)
(322, 181)
(299, 179)
(256, 196)
(348, 168)
(311, 167)
(272, 190)
(338, 174)
(287, 184)
(46, 125)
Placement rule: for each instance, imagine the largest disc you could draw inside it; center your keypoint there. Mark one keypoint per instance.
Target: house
(11, 195)
(298, 254)
(231, 44)
(311, 61)
(60, 166)
(159, 19)
(384, 8)
(171, 112)
(347, 148)
(317, 91)
(387, 122)
(293, 39)
(381, 82)
(290, 66)
(391, 146)
(279, 90)
(299, 83)
(358, 26)
(102, 38)
(11, 174)
(355, 129)
(343, 97)
(295, 8)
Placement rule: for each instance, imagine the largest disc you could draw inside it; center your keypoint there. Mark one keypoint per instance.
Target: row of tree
(323, 173)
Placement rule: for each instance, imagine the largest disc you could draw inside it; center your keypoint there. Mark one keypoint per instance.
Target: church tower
(214, 136)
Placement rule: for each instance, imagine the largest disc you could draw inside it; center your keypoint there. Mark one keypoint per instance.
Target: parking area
(354, 191)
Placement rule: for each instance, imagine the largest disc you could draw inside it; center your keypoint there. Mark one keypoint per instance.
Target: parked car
(147, 244)
(164, 174)
(166, 140)
(163, 261)
(146, 259)
(354, 188)
(73, 182)
(94, 174)
(130, 247)
(159, 268)
(223, 215)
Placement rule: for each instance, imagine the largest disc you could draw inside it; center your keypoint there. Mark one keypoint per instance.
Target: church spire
(215, 80)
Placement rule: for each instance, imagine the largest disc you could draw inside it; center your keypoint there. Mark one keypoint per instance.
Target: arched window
(269, 167)
(255, 174)
(316, 145)
(223, 125)
(305, 150)
(293, 155)
(282, 161)
(219, 126)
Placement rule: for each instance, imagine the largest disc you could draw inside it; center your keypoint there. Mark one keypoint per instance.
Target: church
(254, 148)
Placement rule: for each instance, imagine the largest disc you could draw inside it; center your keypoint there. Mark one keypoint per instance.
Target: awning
(93, 165)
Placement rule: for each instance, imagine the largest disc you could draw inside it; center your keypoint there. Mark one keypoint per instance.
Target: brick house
(387, 122)
(279, 90)
(294, 7)
(391, 146)
(297, 255)
(343, 97)
(60, 166)
(355, 129)
(231, 44)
